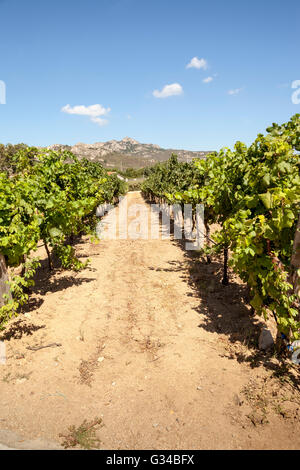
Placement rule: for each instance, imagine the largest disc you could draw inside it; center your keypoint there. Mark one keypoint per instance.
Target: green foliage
(290, 130)
(18, 285)
(51, 196)
(168, 178)
(254, 194)
(84, 436)
(132, 172)
(8, 159)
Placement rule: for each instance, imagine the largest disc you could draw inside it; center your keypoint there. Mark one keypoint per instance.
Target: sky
(186, 74)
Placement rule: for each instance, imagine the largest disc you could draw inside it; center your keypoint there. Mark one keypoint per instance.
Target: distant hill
(127, 153)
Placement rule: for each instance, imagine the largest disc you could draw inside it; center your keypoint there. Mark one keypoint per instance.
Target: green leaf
(267, 200)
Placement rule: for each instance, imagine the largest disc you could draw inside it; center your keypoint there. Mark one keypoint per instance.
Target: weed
(7, 377)
(281, 411)
(23, 375)
(83, 436)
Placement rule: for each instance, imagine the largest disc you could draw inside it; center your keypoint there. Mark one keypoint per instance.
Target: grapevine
(49, 197)
(253, 193)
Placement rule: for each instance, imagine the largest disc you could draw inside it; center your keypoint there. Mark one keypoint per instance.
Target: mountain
(127, 153)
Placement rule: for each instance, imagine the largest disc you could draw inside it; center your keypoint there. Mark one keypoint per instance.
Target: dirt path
(149, 340)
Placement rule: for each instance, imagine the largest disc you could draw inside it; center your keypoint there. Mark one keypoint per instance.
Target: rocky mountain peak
(129, 140)
(126, 152)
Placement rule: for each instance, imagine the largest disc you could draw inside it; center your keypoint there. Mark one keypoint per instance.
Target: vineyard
(136, 339)
(48, 197)
(253, 193)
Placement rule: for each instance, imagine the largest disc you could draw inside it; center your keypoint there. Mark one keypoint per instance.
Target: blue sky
(116, 53)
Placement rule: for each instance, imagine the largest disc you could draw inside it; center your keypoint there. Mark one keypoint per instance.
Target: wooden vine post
(295, 261)
(4, 287)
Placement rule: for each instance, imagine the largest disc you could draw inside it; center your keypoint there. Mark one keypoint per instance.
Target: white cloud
(99, 121)
(197, 63)
(93, 111)
(236, 91)
(168, 90)
(208, 79)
